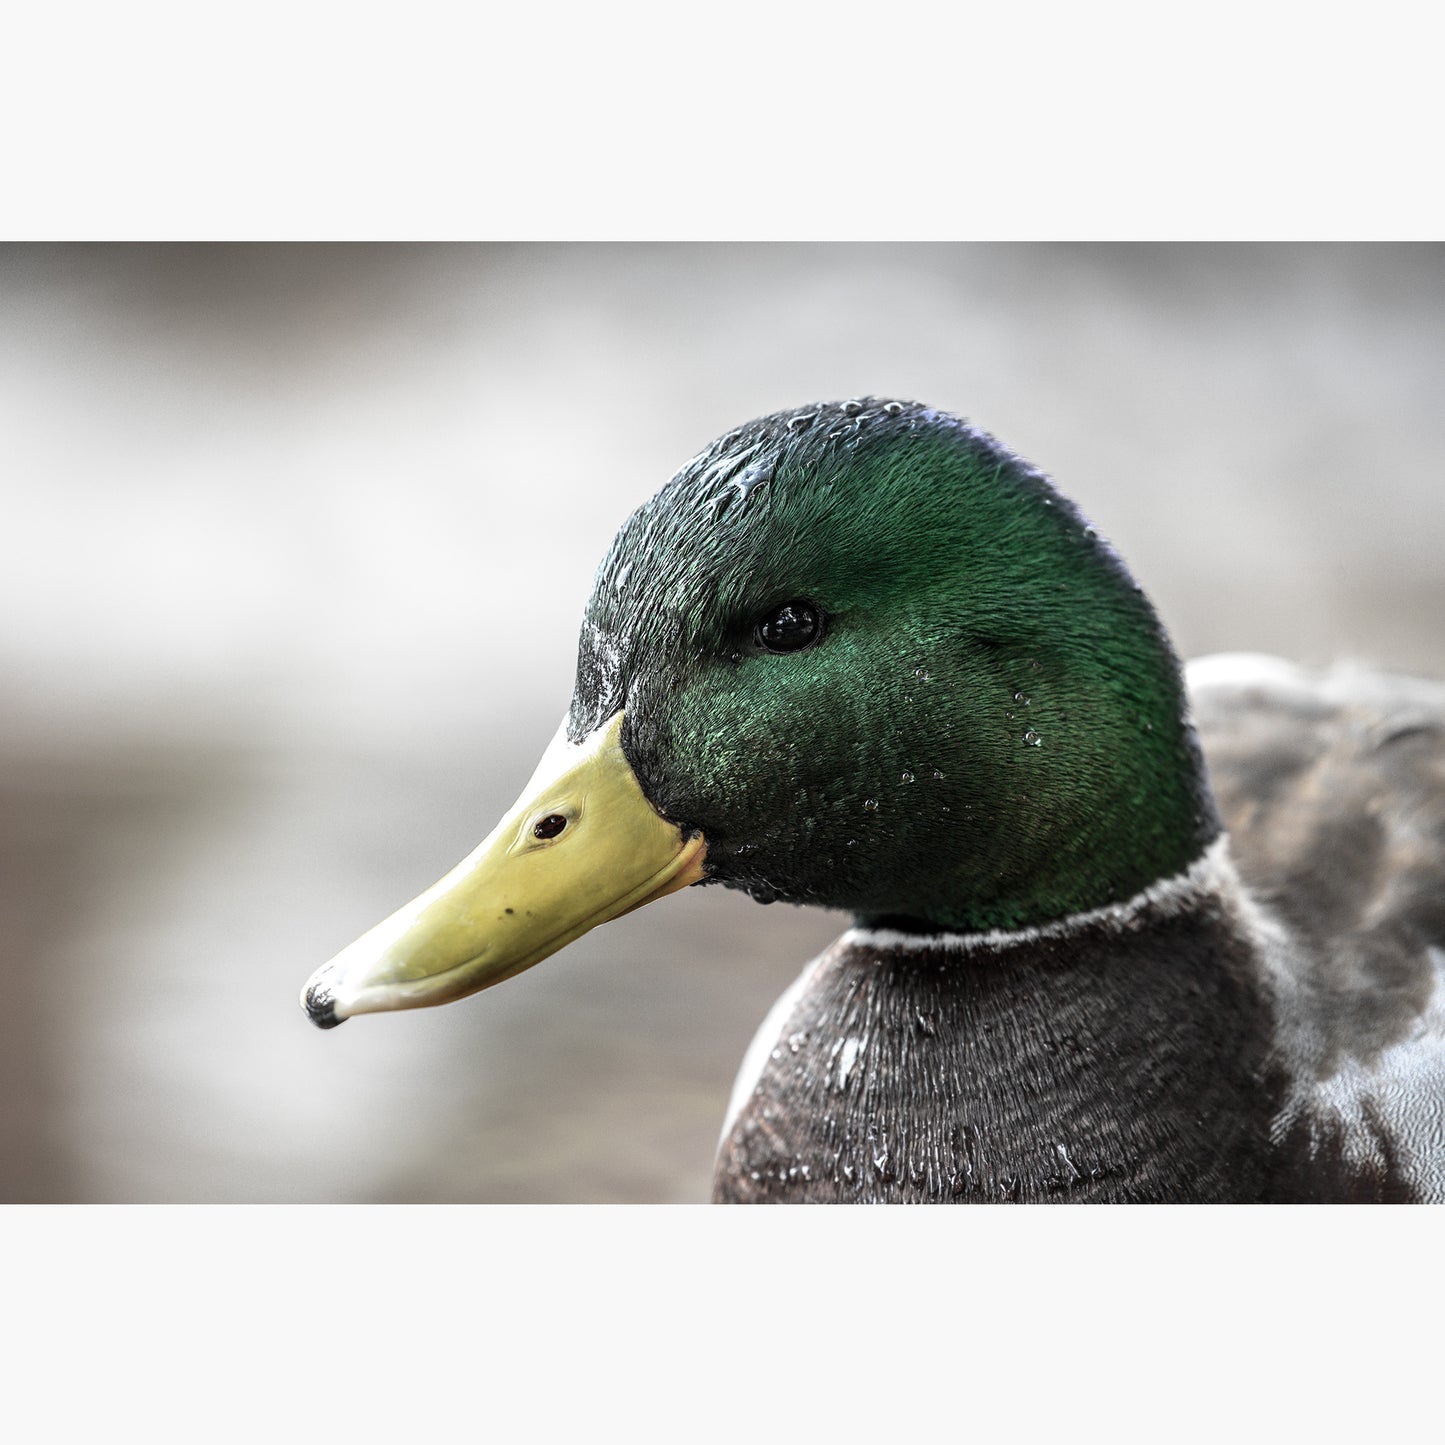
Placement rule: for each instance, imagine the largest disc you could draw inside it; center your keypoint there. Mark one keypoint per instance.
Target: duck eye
(793, 626)
(549, 826)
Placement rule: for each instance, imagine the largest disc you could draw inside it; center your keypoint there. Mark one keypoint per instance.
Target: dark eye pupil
(549, 826)
(792, 626)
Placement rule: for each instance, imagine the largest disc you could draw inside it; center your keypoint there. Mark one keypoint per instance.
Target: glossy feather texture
(990, 731)
(1273, 1032)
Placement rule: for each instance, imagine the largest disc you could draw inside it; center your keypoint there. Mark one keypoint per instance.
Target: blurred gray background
(293, 548)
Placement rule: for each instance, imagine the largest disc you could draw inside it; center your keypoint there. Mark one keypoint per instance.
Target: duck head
(857, 655)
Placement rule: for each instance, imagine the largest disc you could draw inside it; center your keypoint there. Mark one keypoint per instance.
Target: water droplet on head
(852, 408)
(802, 423)
(1032, 738)
(922, 674)
(1090, 532)
(870, 805)
(905, 777)
(753, 477)
(1022, 697)
(893, 408)
(623, 573)
(938, 772)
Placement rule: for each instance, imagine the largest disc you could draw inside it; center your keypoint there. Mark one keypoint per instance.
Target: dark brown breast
(1107, 1066)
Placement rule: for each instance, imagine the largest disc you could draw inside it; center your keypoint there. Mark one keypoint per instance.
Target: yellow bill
(581, 845)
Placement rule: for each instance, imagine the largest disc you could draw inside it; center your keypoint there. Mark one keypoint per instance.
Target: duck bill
(581, 845)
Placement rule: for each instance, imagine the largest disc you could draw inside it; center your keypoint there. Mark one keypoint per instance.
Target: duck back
(1332, 787)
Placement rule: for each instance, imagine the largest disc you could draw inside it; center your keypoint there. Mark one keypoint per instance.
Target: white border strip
(1209, 873)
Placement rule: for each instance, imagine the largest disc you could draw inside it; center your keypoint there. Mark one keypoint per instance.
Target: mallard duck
(862, 656)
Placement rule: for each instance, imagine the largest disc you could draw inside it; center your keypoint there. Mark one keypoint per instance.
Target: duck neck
(1038, 759)
(1089, 788)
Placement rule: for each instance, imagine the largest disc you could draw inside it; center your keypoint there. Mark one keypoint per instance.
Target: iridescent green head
(882, 665)
(856, 655)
